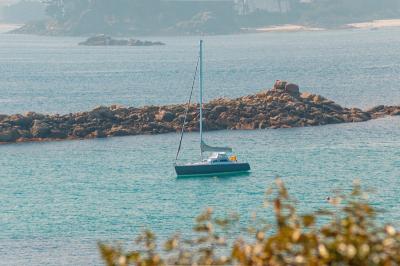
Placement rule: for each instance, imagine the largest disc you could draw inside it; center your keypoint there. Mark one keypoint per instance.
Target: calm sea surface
(58, 199)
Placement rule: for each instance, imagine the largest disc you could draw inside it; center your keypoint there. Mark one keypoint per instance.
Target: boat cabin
(220, 157)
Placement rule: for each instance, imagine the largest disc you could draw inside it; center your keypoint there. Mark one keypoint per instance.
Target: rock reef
(104, 40)
(283, 106)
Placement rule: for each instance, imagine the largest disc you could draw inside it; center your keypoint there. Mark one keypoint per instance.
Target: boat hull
(209, 169)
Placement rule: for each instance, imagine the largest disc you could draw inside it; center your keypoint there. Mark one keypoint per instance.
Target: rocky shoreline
(283, 106)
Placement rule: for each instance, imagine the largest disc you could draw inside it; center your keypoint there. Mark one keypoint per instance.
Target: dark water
(58, 199)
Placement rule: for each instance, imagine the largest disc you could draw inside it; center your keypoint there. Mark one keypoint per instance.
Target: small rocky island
(283, 106)
(104, 40)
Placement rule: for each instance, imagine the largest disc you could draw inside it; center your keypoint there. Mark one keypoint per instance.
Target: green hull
(210, 169)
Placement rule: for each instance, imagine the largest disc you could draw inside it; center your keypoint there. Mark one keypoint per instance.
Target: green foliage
(349, 235)
(138, 16)
(326, 13)
(336, 12)
(22, 11)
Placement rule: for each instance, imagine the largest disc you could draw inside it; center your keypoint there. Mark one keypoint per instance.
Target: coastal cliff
(283, 106)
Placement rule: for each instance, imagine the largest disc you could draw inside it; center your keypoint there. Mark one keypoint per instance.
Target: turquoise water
(58, 199)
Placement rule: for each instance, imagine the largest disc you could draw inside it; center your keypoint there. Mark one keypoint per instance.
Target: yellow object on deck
(233, 158)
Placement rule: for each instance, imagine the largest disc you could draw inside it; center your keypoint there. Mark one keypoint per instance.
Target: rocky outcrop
(283, 106)
(104, 40)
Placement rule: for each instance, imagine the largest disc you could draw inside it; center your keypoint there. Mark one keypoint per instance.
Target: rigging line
(187, 109)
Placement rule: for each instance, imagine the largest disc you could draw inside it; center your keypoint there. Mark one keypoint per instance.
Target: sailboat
(219, 162)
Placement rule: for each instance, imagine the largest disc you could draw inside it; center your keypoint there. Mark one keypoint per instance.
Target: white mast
(201, 98)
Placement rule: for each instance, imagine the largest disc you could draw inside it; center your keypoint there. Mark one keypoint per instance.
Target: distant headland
(158, 17)
(283, 106)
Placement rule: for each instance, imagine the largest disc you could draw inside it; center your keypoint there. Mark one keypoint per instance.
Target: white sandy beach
(287, 28)
(376, 24)
(4, 27)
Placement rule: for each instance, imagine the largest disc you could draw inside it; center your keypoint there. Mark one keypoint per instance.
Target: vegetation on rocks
(281, 107)
(346, 233)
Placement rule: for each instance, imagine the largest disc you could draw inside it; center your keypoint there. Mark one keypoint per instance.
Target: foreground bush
(345, 234)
